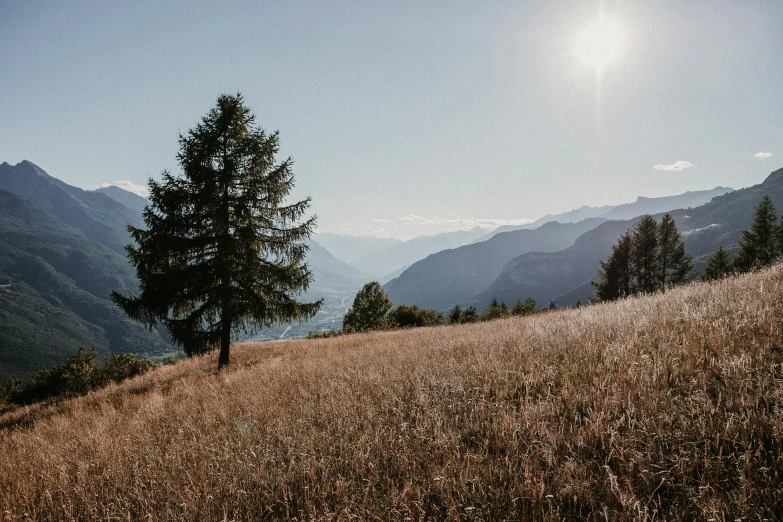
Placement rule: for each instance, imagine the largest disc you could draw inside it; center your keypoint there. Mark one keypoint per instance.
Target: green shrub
(469, 315)
(78, 375)
(121, 366)
(370, 310)
(411, 316)
(324, 334)
(526, 308)
(9, 394)
(495, 311)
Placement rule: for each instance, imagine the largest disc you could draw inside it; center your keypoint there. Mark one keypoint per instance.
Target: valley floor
(666, 407)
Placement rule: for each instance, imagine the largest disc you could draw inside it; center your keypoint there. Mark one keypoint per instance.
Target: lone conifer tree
(759, 246)
(674, 264)
(719, 265)
(221, 247)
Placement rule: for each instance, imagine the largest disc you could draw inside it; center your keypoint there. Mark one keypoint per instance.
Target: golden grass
(664, 407)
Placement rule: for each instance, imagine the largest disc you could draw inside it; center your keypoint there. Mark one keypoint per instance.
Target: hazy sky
(406, 118)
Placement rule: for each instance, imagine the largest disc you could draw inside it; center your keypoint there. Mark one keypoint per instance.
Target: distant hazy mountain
(641, 206)
(408, 252)
(331, 274)
(95, 214)
(644, 205)
(352, 248)
(55, 287)
(129, 199)
(565, 275)
(453, 276)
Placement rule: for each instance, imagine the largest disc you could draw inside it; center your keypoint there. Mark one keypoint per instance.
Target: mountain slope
(129, 199)
(641, 206)
(452, 276)
(564, 276)
(416, 249)
(56, 293)
(96, 215)
(644, 205)
(352, 248)
(330, 274)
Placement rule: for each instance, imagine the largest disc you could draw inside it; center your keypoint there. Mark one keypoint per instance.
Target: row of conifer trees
(648, 257)
(760, 246)
(651, 256)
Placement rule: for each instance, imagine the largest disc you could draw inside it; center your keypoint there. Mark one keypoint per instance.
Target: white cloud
(763, 155)
(381, 220)
(676, 166)
(139, 190)
(455, 221)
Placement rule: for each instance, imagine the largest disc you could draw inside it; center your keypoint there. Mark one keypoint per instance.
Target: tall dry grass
(664, 407)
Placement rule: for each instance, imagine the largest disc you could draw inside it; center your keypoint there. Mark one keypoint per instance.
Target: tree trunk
(225, 342)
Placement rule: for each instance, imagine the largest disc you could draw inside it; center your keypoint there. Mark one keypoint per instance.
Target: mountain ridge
(451, 276)
(640, 206)
(564, 276)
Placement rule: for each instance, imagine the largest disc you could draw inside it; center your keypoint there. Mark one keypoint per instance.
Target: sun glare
(600, 42)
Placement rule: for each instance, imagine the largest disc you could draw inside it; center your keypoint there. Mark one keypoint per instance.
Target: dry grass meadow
(666, 407)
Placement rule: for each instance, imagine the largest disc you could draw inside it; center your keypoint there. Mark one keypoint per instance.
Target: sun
(600, 43)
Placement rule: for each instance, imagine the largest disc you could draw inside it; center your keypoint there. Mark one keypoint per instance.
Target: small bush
(495, 311)
(411, 316)
(526, 308)
(324, 334)
(78, 375)
(121, 366)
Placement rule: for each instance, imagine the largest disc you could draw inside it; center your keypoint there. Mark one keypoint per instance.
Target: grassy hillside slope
(666, 407)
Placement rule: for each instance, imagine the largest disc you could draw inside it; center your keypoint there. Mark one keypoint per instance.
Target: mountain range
(449, 277)
(565, 276)
(56, 284)
(96, 215)
(129, 199)
(642, 205)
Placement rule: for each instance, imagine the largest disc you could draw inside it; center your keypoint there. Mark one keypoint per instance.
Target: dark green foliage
(369, 311)
(325, 334)
(719, 265)
(469, 315)
(455, 314)
(78, 375)
(495, 311)
(644, 255)
(759, 245)
(222, 248)
(9, 394)
(552, 305)
(409, 316)
(614, 276)
(647, 258)
(120, 366)
(674, 265)
(526, 308)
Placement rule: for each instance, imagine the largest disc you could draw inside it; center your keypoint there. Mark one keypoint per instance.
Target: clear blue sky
(405, 117)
